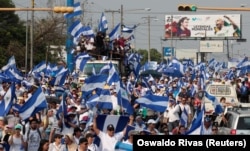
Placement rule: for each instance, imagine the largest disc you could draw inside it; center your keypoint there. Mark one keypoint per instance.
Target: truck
(97, 65)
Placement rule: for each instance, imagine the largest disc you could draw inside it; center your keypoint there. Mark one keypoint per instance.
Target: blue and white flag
(105, 100)
(77, 11)
(217, 106)
(41, 67)
(103, 24)
(119, 122)
(7, 101)
(75, 28)
(11, 64)
(124, 101)
(14, 74)
(154, 102)
(34, 104)
(62, 109)
(60, 77)
(84, 30)
(81, 60)
(114, 34)
(197, 123)
(95, 81)
(184, 117)
(127, 29)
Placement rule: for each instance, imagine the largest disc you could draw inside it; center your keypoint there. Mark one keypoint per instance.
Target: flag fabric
(77, 11)
(81, 60)
(196, 127)
(217, 106)
(103, 24)
(127, 29)
(11, 64)
(114, 34)
(95, 81)
(60, 77)
(7, 101)
(75, 28)
(105, 100)
(124, 101)
(184, 117)
(34, 104)
(154, 102)
(119, 122)
(84, 30)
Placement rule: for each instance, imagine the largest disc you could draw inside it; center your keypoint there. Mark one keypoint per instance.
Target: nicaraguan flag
(60, 77)
(41, 67)
(197, 123)
(81, 60)
(119, 122)
(127, 29)
(84, 30)
(11, 64)
(103, 24)
(75, 28)
(7, 101)
(95, 81)
(154, 102)
(217, 106)
(77, 11)
(34, 104)
(184, 117)
(114, 34)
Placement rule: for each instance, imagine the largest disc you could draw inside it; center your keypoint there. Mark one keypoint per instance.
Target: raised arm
(96, 130)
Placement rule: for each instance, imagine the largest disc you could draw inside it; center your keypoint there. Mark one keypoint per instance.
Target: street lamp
(149, 36)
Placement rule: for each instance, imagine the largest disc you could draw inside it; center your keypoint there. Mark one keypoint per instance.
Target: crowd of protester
(43, 131)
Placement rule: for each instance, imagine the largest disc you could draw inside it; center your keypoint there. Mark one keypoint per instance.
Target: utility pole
(26, 43)
(113, 13)
(121, 17)
(69, 40)
(32, 34)
(149, 36)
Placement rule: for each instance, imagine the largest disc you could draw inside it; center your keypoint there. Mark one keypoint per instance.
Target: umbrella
(52, 99)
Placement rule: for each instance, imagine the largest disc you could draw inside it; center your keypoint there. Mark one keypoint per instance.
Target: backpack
(38, 131)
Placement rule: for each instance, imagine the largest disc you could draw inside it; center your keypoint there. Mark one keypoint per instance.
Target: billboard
(195, 26)
(211, 46)
(168, 51)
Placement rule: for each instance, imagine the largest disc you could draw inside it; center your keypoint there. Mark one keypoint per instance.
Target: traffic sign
(168, 51)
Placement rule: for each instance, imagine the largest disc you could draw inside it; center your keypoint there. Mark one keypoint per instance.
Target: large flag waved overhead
(34, 104)
(103, 25)
(77, 11)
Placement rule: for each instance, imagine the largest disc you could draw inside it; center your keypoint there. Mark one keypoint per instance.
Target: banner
(193, 26)
(211, 46)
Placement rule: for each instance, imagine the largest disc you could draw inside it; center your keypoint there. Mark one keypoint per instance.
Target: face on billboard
(178, 26)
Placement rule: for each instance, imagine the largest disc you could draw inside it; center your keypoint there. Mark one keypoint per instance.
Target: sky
(135, 13)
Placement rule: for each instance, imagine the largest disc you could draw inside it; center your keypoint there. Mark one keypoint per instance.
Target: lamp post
(149, 36)
(32, 34)
(122, 13)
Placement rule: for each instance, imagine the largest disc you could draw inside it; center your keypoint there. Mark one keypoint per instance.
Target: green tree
(154, 55)
(12, 30)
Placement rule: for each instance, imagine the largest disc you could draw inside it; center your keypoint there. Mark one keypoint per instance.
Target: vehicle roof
(241, 112)
(103, 61)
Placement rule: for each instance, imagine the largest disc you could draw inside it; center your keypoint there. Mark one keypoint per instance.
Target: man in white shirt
(207, 128)
(173, 117)
(110, 138)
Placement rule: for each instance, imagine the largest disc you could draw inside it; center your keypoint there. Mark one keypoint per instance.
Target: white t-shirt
(108, 143)
(34, 139)
(53, 147)
(17, 144)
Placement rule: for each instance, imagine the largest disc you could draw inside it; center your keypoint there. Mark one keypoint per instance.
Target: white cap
(151, 121)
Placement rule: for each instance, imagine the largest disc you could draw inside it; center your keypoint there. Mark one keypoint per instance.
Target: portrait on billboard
(226, 27)
(179, 26)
